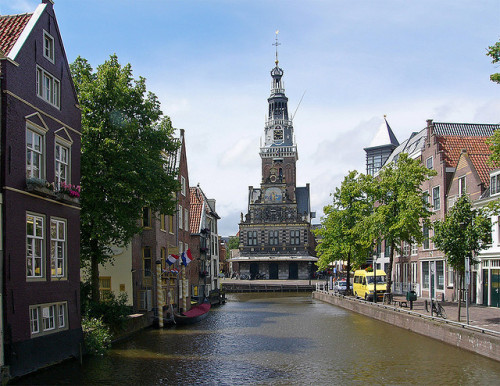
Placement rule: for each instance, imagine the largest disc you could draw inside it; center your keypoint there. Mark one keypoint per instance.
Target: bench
(400, 303)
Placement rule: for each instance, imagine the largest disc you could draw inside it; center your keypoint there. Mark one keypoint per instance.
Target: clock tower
(275, 235)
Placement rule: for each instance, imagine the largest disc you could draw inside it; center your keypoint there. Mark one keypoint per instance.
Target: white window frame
(48, 87)
(494, 184)
(31, 243)
(58, 248)
(186, 219)
(180, 217)
(62, 167)
(48, 318)
(429, 163)
(183, 186)
(462, 185)
(34, 320)
(438, 198)
(32, 152)
(414, 248)
(450, 276)
(50, 55)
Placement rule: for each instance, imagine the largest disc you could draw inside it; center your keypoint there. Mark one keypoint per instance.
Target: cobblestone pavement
(479, 316)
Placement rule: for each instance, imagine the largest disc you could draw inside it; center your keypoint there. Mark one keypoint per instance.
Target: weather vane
(277, 44)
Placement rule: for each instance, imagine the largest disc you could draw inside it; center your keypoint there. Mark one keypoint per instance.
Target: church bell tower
(279, 153)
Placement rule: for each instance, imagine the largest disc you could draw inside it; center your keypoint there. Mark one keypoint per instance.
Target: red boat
(194, 315)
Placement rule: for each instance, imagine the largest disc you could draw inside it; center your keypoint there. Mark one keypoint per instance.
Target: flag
(186, 257)
(171, 259)
(174, 271)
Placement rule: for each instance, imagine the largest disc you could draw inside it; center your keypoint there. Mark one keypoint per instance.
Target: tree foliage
(125, 142)
(465, 231)
(339, 237)
(494, 53)
(233, 243)
(400, 208)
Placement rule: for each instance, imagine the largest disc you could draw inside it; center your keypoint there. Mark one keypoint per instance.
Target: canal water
(277, 339)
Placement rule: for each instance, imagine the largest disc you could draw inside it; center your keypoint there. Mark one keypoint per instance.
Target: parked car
(340, 286)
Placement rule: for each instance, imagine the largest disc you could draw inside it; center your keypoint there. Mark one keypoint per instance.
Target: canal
(277, 339)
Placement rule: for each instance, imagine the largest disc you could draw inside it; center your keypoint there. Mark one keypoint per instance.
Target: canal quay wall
(267, 286)
(480, 341)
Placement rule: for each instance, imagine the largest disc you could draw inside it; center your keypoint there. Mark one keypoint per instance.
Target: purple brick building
(40, 231)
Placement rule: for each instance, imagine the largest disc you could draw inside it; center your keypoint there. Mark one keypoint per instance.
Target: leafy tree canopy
(464, 232)
(339, 237)
(400, 207)
(234, 242)
(494, 53)
(126, 141)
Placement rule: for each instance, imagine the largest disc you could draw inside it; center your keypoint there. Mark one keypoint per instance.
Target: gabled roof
(412, 146)
(11, 27)
(465, 129)
(196, 209)
(477, 149)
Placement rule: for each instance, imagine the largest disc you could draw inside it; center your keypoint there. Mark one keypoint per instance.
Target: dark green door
(495, 288)
(273, 271)
(293, 272)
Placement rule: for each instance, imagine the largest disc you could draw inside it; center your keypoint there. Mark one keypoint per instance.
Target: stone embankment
(481, 340)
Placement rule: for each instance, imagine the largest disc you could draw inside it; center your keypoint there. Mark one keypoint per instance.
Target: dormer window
(495, 184)
(48, 46)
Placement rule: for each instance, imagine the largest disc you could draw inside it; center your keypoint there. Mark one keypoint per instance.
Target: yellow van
(363, 284)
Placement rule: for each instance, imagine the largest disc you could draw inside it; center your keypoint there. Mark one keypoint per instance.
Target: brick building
(40, 155)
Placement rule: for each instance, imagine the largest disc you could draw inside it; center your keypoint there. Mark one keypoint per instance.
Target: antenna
(295, 112)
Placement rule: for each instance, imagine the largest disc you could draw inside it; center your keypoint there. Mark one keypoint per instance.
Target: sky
(353, 62)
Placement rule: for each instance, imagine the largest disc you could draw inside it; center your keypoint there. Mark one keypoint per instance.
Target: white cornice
(26, 31)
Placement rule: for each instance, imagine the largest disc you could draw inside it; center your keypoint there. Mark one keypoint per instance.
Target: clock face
(278, 134)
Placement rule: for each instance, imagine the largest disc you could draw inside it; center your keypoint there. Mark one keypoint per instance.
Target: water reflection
(277, 339)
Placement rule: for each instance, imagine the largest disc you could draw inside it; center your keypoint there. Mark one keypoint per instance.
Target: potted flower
(68, 192)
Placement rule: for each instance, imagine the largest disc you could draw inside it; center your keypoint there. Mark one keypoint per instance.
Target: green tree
(125, 145)
(339, 237)
(464, 232)
(233, 243)
(494, 53)
(401, 208)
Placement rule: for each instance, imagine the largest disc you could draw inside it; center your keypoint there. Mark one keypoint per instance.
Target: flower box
(66, 198)
(40, 187)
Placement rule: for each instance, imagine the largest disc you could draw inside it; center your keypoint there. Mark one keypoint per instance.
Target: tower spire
(277, 44)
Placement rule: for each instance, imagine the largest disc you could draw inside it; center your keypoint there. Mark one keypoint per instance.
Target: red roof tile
(195, 210)
(477, 149)
(11, 27)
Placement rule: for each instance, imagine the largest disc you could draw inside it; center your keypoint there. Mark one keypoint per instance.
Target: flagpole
(184, 295)
(159, 297)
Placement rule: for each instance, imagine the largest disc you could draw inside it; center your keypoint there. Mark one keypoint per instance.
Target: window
(48, 88)
(495, 184)
(414, 248)
(146, 217)
(406, 248)
(181, 247)
(414, 272)
(429, 163)
(104, 287)
(34, 155)
(462, 188)
(162, 222)
(183, 186)
(425, 231)
(425, 274)
(146, 262)
(62, 314)
(450, 276)
(48, 318)
(387, 250)
(34, 320)
(440, 275)
(186, 220)
(252, 237)
(58, 248)
(171, 224)
(179, 217)
(273, 238)
(34, 246)
(294, 237)
(163, 256)
(436, 199)
(62, 164)
(48, 46)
